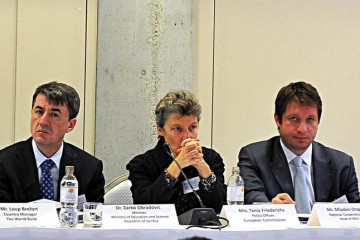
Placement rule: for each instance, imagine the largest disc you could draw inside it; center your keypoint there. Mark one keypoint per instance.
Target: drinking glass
(93, 214)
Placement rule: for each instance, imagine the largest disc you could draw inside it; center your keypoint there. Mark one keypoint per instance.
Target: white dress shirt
(306, 156)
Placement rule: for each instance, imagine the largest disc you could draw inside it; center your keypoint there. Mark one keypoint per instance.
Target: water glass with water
(93, 214)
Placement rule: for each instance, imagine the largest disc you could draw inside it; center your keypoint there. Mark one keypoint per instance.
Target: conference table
(313, 233)
(164, 230)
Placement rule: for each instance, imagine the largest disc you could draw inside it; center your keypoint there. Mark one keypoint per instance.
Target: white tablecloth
(99, 234)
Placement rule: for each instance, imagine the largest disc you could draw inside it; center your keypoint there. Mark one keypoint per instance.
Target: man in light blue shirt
(268, 167)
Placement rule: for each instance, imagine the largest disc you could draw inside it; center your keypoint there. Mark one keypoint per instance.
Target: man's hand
(282, 198)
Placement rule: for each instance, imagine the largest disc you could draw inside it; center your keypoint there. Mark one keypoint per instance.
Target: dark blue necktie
(46, 180)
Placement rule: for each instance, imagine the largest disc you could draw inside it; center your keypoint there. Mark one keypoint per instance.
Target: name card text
(335, 215)
(140, 216)
(28, 215)
(268, 216)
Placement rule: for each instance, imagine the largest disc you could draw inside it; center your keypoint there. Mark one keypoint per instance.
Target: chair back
(117, 192)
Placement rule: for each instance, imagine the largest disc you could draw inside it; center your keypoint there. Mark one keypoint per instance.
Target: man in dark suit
(54, 110)
(267, 167)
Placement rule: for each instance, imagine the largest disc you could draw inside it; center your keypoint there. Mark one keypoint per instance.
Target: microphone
(196, 216)
(168, 151)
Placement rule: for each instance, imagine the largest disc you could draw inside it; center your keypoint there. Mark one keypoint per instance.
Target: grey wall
(144, 50)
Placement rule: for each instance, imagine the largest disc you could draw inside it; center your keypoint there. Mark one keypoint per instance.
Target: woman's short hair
(180, 102)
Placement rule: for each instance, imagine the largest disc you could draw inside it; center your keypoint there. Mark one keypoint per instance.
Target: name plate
(162, 216)
(268, 216)
(28, 215)
(335, 215)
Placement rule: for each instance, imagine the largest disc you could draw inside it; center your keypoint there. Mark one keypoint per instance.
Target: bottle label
(235, 193)
(69, 195)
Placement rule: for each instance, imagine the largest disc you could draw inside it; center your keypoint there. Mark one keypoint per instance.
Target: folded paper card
(158, 216)
(28, 215)
(268, 216)
(335, 215)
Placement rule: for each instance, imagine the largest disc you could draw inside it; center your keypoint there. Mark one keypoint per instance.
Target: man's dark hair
(60, 94)
(301, 92)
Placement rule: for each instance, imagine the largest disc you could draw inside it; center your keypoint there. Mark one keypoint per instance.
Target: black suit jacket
(266, 173)
(19, 178)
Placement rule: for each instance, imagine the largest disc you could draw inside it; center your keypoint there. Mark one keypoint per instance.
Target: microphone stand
(197, 216)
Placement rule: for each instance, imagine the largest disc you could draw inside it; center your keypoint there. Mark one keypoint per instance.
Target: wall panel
(50, 46)
(261, 46)
(8, 9)
(144, 50)
(203, 41)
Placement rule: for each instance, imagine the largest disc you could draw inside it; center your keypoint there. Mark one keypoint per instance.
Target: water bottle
(68, 199)
(235, 188)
